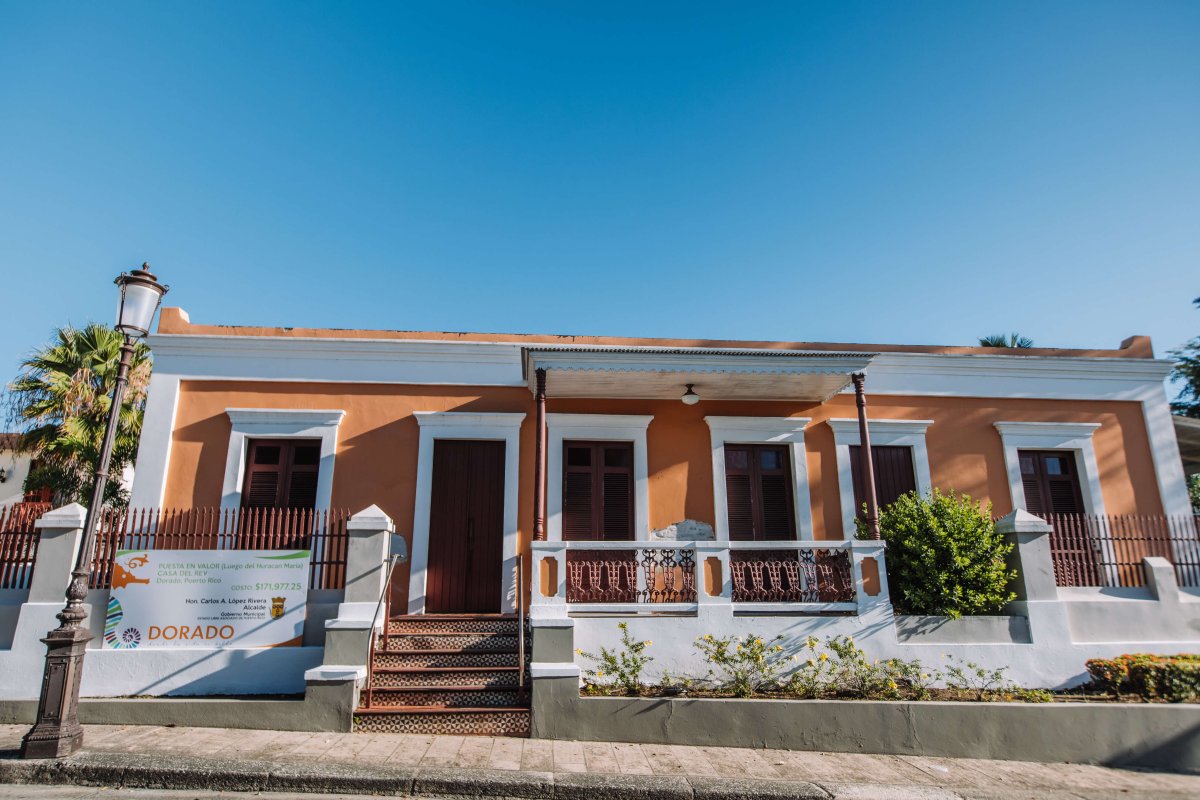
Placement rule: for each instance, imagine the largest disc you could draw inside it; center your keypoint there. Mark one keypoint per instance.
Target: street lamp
(57, 732)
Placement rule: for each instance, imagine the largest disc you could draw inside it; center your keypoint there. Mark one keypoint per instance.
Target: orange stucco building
(1038, 429)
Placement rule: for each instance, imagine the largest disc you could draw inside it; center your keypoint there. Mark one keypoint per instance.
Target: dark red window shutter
(758, 492)
(281, 473)
(894, 474)
(597, 491)
(1050, 481)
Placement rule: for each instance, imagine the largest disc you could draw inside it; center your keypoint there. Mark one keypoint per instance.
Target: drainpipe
(539, 460)
(866, 463)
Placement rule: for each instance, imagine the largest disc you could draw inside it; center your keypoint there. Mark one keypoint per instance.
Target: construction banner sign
(207, 599)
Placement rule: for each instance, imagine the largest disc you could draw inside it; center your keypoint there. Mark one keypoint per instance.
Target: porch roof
(661, 373)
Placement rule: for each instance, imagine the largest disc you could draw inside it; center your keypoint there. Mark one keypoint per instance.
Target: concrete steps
(452, 674)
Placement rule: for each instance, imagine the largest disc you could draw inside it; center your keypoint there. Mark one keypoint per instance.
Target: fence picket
(1107, 550)
(323, 532)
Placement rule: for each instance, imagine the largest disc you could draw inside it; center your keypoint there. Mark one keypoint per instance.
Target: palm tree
(60, 402)
(1000, 340)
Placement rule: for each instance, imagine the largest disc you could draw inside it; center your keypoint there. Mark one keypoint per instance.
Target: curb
(136, 771)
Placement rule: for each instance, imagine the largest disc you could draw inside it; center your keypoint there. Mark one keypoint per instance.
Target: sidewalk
(363, 763)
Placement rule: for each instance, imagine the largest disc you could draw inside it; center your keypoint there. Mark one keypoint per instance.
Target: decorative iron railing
(1096, 550)
(321, 531)
(654, 577)
(799, 575)
(642, 574)
(19, 538)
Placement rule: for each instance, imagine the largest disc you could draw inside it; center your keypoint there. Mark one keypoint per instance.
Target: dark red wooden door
(466, 528)
(894, 474)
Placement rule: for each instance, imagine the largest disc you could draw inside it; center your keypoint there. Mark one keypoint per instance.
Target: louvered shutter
(597, 491)
(302, 476)
(264, 474)
(758, 492)
(739, 492)
(1031, 482)
(894, 474)
(1050, 481)
(281, 474)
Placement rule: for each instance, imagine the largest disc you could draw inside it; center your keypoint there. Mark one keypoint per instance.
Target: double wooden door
(466, 528)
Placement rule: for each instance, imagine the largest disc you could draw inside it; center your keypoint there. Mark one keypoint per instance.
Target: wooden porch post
(539, 460)
(866, 463)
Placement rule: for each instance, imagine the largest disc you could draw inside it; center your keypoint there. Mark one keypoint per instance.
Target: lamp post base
(57, 732)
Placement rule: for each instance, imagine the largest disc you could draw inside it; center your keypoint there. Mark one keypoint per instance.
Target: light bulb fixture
(690, 398)
(141, 294)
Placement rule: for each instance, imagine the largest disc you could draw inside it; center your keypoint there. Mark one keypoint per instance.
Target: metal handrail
(521, 624)
(385, 601)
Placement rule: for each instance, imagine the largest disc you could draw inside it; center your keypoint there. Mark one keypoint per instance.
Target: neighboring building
(1187, 431)
(728, 512)
(14, 469)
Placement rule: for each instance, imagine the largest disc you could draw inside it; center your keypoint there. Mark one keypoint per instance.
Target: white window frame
(1073, 437)
(887, 433)
(605, 428)
(435, 425)
(279, 423)
(761, 430)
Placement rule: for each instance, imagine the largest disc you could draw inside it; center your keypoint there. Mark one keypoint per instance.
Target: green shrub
(983, 682)
(944, 555)
(1175, 678)
(1108, 674)
(744, 664)
(620, 667)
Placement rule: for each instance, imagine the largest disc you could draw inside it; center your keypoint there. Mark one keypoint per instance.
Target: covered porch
(595, 549)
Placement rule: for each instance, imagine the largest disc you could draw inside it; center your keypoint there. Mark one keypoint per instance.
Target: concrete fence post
(548, 580)
(869, 568)
(1035, 587)
(1030, 556)
(1161, 581)
(370, 532)
(60, 536)
(713, 572)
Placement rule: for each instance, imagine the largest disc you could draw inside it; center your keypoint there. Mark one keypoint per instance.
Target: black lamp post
(57, 732)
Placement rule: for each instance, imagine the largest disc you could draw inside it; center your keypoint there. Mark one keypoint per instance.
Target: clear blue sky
(893, 172)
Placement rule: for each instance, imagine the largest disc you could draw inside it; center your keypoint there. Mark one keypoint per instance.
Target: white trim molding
(435, 425)
(597, 427)
(1075, 437)
(154, 449)
(761, 430)
(884, 433)
(279, 423)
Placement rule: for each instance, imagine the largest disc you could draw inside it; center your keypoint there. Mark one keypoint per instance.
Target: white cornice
(275, 416)
(774, 425)
(1072, 430)
(599, 421)
(845, 431)
(699, 362)
(458, 363)
(468, 419)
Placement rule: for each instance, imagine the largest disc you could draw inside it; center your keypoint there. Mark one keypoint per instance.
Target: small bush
(854, 673)
(621, 667)
(815, 675)
(984, 683)
(1108, 674)
(743, 664)
(944, 556)
(1152, 677)
(1175, 680)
